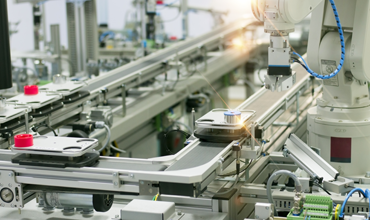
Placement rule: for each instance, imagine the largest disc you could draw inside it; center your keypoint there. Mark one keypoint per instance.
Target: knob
(232, 117)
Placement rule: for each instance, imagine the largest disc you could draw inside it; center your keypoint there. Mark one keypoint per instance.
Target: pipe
(298, 184)
(108, 138)
(5, 58)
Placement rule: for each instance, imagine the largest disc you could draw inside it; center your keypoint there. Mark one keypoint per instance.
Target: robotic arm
(280, 17)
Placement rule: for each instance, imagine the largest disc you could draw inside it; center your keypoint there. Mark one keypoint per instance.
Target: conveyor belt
(264, 102)
(160, 56)
(206, 151)
(198, 156)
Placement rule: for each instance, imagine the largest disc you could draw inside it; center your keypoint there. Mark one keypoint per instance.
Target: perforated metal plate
(9, 112)
(58, 146)
(216, 119)
(35, 101)
(66, 88)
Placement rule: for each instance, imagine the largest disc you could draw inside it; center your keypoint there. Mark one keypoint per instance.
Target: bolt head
(11, 174)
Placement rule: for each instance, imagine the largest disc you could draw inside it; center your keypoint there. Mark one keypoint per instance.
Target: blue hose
(340, 30)
(111, 34)
(366, 194)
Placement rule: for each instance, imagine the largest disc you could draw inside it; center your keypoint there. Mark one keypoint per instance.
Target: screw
(267, 208)
(114, 174)
(142, 182)
(10, 185)
(131, 175)
(115, 183)
(179, 213)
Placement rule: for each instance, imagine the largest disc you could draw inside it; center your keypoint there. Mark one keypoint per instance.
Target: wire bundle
(366, 194)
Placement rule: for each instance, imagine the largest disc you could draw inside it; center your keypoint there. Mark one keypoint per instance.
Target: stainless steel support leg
(56, 47)
(123, 87)
(297, 106)
(26, 121)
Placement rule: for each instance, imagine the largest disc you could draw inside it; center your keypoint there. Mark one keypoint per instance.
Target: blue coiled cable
(340, 30)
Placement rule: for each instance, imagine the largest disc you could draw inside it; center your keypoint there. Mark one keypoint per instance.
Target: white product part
(67, 88)
(215, 119)
(35, 101)
(58, 146)
(263, 210)
(348, 127)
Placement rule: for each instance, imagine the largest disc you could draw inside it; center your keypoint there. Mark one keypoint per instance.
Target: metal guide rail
(62, 106)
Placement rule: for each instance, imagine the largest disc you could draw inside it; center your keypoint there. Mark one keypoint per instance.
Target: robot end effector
(279, 19)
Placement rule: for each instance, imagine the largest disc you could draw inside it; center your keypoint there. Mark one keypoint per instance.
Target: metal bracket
(116, 180)
(11, 192)
(148, 188)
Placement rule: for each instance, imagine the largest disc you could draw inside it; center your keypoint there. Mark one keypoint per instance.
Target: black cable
(242, 169)
(316, 184)
(298, 61)
(177, 80)
(36, 128)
